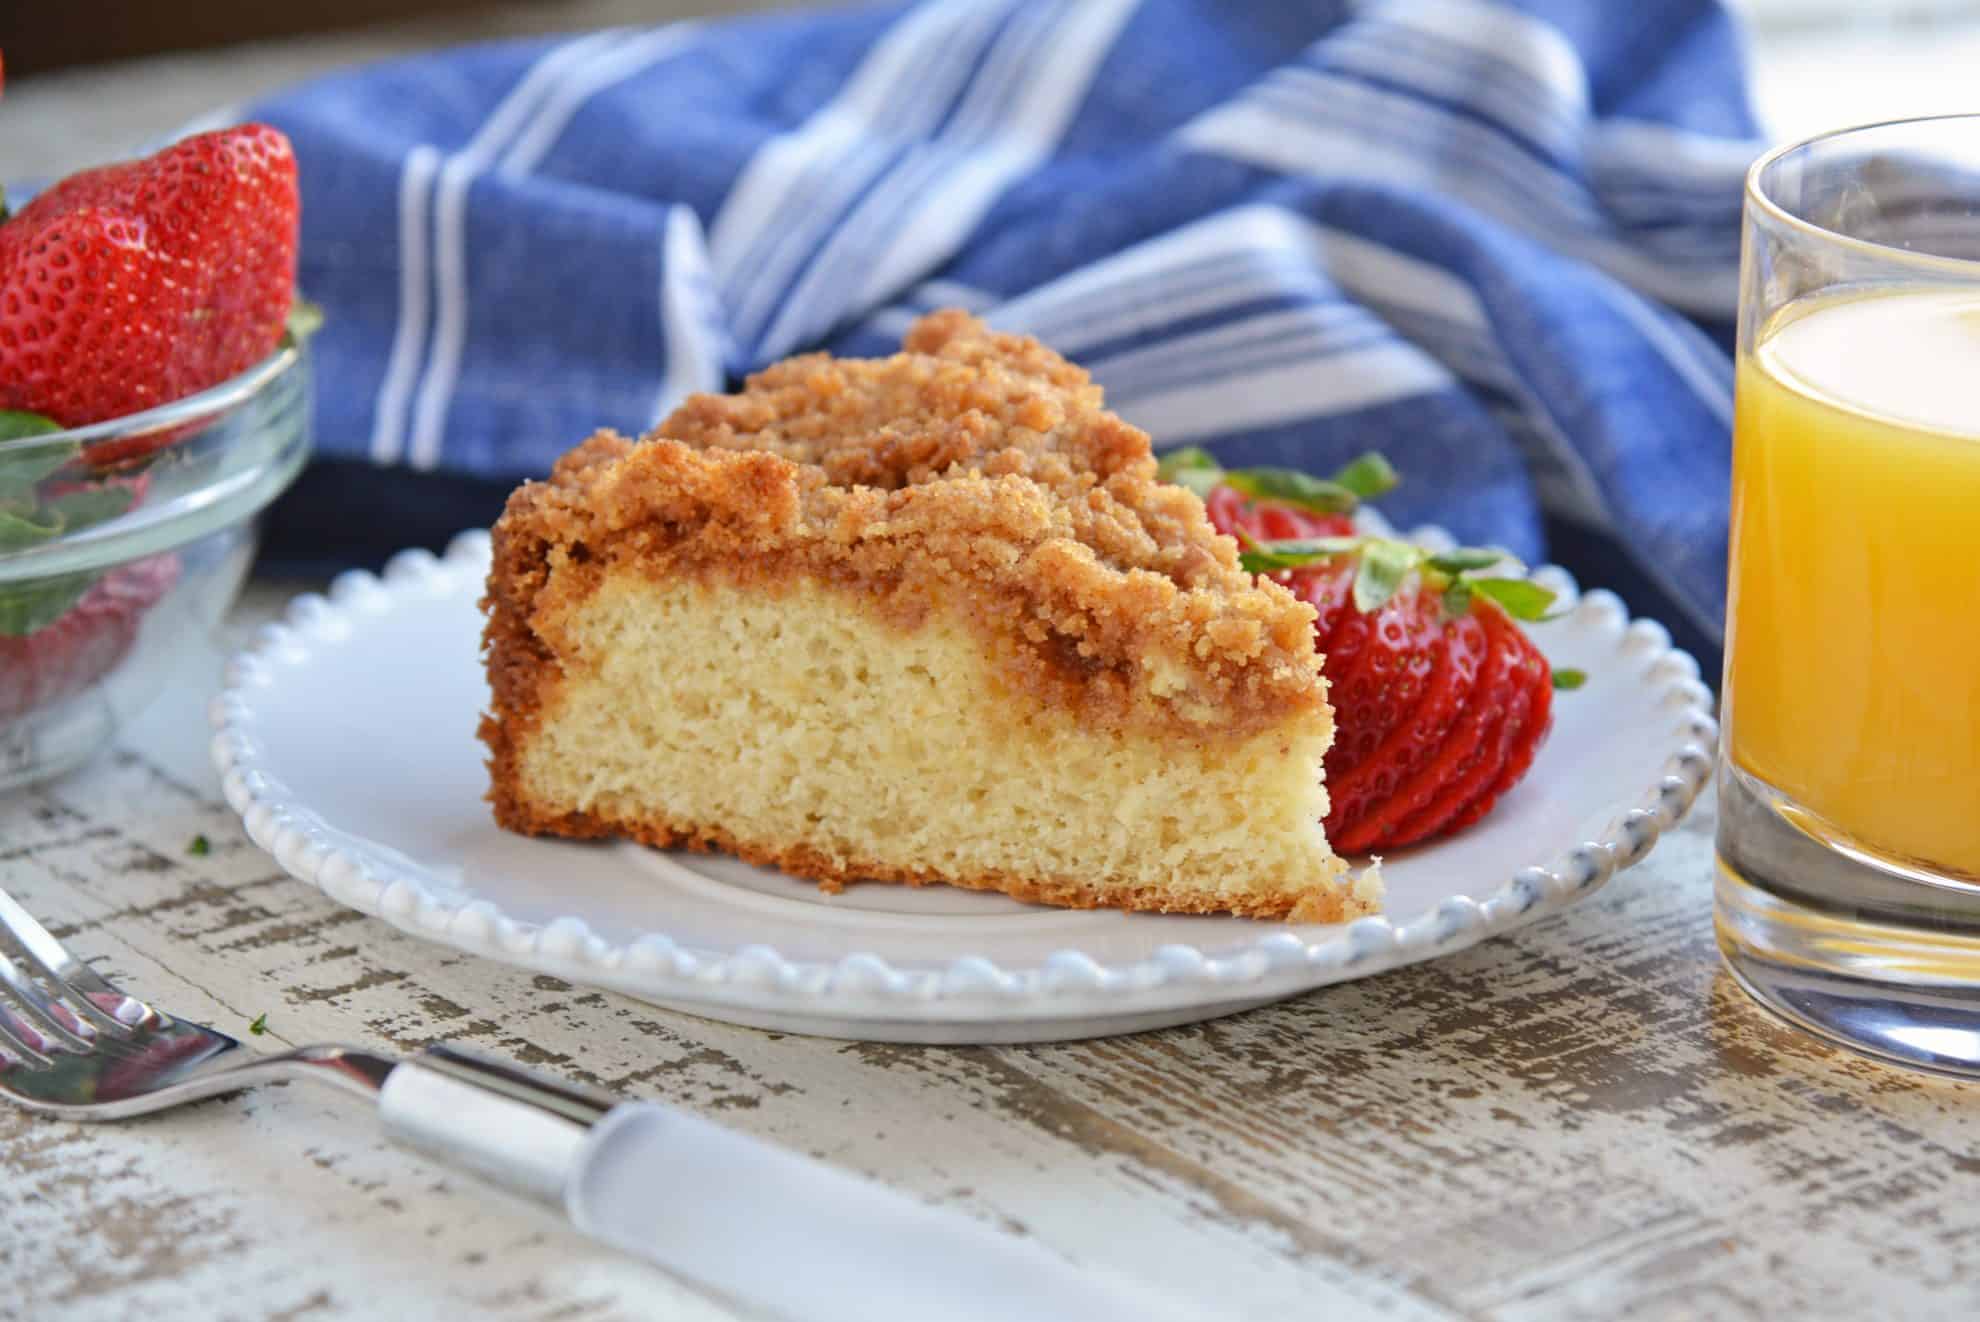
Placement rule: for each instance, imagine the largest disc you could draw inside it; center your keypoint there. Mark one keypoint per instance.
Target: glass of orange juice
(1848, 884)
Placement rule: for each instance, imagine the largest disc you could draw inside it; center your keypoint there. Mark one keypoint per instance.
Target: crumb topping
(973, 471)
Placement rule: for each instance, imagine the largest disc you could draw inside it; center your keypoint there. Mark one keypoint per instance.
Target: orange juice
(1854, 620)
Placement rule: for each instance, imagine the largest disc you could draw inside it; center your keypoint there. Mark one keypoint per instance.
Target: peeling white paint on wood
(1584, 1120)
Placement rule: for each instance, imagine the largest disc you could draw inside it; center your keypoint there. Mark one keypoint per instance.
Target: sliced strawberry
(1440, 700)
(1537, 719)
(1370, 798)
(1396, 651)
(1500, 706)
(1413, 810)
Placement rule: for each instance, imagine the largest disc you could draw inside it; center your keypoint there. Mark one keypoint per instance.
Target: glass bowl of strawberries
(119, 539)
(154, 398)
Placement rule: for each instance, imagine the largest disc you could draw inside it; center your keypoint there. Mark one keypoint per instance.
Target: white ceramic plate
(346, 739)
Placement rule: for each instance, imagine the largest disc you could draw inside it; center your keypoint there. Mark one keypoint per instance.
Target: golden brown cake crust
(974, 473)
(1319, 904)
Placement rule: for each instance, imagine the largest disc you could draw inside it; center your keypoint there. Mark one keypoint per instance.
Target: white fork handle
(755, 1222)
(808, 1241)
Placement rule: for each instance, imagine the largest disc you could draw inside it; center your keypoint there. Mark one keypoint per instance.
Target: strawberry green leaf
(20, 531)
(93, 505)
(1457, 599)
(1182, 458)
(1463, 560)
(21, 471)
(1191, 466)
(1202, 481)
(14, 425)
(1264, 557)
(1289, 486)
(1522, 598)
(32, 524)
(1368, 476)
(1384, 565)
(27, 608)
(1566, 680)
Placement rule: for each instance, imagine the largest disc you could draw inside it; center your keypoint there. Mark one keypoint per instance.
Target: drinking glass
(1848, 877)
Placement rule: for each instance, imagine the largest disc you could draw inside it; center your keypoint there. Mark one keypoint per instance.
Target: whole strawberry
(1440, 699)
(136, 284)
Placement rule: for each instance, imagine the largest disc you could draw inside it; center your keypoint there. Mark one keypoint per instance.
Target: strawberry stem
(1289, 486)
(1522, 598)
(1463, 560)
(1382, 564)
(1379, 575)
(1361, 478)
(1368, 475)
(1264, 557)
(1385, 563)
(1191, 466)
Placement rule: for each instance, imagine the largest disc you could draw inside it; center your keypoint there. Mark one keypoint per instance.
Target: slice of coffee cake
(923, 618)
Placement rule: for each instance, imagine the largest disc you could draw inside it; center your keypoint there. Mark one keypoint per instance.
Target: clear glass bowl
(119, 541)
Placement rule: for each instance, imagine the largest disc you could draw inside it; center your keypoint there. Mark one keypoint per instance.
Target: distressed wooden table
(1584, 1120)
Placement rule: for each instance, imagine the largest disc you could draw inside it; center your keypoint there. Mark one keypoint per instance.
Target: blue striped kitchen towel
(1497, 239)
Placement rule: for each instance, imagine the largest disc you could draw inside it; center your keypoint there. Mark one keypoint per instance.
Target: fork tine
(35, 1009)
(93, 994)
(19, 1039)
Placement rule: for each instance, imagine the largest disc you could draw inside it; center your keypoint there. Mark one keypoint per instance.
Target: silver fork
(708, 1203)
(74, 1045)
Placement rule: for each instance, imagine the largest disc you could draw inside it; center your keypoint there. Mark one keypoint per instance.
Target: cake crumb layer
(803, 730)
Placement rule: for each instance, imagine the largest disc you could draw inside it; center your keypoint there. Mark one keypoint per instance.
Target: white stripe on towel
(389, 415)
(519, 145)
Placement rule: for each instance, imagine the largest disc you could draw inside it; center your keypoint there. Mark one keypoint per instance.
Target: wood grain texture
(1584, 1120)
